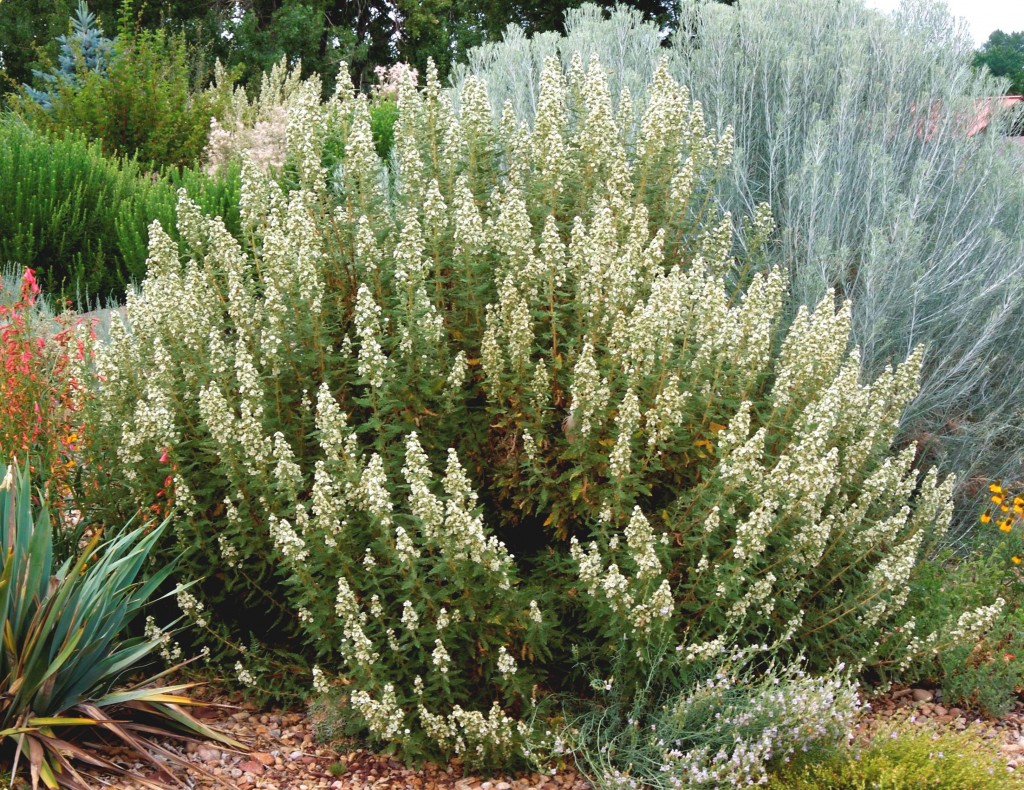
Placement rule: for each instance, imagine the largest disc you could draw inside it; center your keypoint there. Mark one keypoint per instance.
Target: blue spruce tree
(84, 49)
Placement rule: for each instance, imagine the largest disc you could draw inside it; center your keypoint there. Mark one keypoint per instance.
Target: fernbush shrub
(433, 425)
(854, 128)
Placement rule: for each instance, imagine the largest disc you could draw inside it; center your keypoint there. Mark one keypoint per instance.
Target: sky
(983, 16)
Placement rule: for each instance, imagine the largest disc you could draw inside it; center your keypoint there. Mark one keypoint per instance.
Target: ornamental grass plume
(443, 426)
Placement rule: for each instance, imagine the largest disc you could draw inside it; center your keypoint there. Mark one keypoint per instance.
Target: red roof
(984, 109)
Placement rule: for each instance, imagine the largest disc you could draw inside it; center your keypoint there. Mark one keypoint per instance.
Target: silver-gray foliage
(854, 127)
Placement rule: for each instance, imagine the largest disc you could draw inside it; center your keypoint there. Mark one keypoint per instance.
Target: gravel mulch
(284, 755)
(923, 706)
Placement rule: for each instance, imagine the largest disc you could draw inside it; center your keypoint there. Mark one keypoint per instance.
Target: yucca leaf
(193, 724)
(57, 662)
(47, 775)
(62, 746)
(62, 645)
(60, 721)
(36, 758)
(158, 694)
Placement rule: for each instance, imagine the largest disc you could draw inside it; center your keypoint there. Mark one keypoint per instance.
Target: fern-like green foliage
(854, 128)
(432, 423)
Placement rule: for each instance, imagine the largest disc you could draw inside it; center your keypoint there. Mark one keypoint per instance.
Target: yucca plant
(62, 651)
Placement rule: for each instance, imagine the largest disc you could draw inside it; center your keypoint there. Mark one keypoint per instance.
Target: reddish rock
(252, 767)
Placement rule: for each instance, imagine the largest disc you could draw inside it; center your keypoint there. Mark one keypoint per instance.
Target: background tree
(252, 35)
(28, 29)
(1003, 54)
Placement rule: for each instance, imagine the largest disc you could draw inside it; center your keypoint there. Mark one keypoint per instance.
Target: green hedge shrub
(505, 404)
(82, 219)
(60, 210)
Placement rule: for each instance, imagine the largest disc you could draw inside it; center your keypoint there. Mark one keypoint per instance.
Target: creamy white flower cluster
(972, 624)
(641, 600)
(474, 733)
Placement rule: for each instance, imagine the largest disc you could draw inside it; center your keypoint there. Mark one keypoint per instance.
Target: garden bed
(286, 755)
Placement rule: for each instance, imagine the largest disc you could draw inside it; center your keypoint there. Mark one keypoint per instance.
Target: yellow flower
(72, 438)
(1004, 526)
(985, 517)
(1015, 559)
(1018, 501)
(995, 488)
(1005, 508)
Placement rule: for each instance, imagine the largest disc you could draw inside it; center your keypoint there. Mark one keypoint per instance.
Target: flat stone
(252, 767)
(922, 695)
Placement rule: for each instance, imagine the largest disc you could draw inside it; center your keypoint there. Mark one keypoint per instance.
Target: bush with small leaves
(81, 219)
(438, 420)
(904, 757)
(142, 104)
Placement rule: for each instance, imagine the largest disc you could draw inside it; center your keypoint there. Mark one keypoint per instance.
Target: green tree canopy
(255, 34)
(1003, 54)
